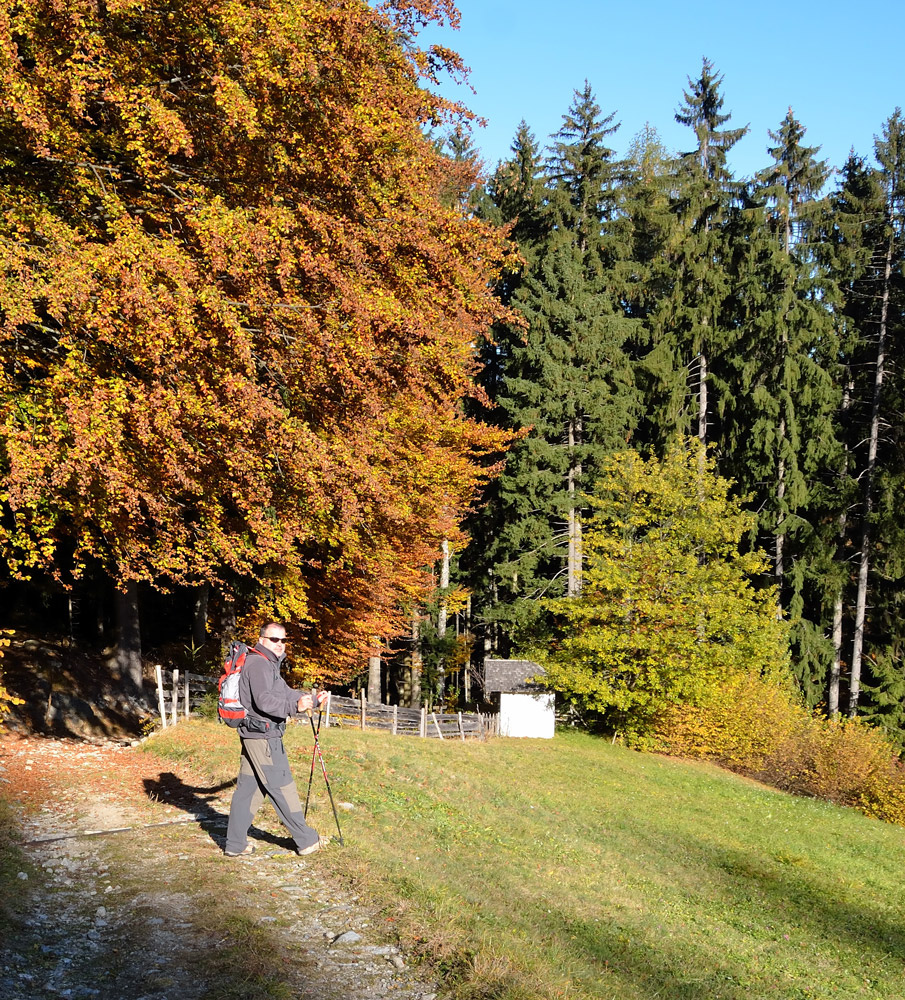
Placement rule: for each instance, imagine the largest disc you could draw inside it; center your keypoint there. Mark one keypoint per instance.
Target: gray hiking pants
(264, 771)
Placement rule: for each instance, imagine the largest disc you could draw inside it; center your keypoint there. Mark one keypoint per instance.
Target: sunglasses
(275, 638)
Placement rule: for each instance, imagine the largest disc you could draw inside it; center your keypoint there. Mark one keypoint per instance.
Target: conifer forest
(274, 342)
(662, 297)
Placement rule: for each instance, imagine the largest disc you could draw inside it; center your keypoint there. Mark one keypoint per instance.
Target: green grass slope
(573, 868)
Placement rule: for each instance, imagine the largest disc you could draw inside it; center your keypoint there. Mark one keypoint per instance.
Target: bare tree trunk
(573, 588)
(128, 637)
(781, 489)
(199, 619)
(780, 536)
(702, 400)
(443, 613)
(101, 589)
(495, 625)
(467, 667)
(832, 701)
(854, 690)
(416, 662)
(444, 584)
(222, 620)
(867, 505)
(374, 671)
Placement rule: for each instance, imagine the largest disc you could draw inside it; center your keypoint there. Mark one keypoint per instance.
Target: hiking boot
(250, 849)
(319, 846)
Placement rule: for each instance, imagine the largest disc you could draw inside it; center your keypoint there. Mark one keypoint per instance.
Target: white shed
(526, 709)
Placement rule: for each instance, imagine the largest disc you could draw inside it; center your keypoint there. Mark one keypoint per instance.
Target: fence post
(187, 707)
(422, 729)
(437, 725)
(175, 696)
(363, 709)
(395, 718)
(160, 701)
(461, 728)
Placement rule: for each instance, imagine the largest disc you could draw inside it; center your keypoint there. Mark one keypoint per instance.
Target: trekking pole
(320, 715)
(317, 750)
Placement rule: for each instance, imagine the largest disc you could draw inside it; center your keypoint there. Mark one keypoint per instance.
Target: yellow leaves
(668, 610)
(239, 108)
(757, 726)
(6, 699)
(456, 599)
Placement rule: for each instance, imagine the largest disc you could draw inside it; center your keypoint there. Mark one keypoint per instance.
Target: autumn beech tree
(237, 317)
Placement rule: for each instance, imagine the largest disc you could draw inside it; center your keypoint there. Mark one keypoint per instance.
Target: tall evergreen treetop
(514, 197)
(794, 179)
(890, 153)
(581, 172)
(568, 383)
(517, 190)
(781, 398)
(648, 158)
(644, 205)
(693, 277)
(464, 188)
(701, 112)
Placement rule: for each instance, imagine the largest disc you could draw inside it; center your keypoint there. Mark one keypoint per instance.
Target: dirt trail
(126, 916)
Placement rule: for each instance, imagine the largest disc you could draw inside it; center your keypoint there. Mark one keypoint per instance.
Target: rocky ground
(138, 914)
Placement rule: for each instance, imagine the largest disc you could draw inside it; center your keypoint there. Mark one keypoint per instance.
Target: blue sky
(839, 65)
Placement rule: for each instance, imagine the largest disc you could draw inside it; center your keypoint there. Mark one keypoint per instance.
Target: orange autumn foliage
(236, 319)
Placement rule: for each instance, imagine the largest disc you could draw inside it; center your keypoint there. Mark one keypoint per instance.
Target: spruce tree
(847, 248)
(646, 208)
(463, 187)
(778, 410)
(517, 191)
(688, 327)
(887, 266)
(568, 385)
(866, 248)
(515, 198)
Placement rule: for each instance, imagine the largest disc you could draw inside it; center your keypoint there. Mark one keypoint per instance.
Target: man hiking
(264, 769)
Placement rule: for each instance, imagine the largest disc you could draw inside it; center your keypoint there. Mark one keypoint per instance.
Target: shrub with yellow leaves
(669, 612)
(740, 725)
(756, 726)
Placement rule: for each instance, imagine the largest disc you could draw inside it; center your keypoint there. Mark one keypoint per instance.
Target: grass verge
(573, 868)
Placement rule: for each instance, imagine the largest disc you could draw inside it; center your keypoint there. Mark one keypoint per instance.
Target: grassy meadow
(574, 868)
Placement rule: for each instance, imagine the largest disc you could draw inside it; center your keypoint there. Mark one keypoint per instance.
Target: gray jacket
(267, 698)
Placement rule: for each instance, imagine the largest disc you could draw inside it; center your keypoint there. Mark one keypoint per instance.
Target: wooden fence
(401, 721)
(180, 693)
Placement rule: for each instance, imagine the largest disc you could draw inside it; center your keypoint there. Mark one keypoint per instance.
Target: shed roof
(510, 675)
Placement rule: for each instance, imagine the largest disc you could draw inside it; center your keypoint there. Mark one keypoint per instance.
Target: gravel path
(125, 916)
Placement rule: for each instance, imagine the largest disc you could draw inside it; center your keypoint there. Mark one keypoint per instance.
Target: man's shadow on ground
(198, 801)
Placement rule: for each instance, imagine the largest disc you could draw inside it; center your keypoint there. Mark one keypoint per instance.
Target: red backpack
(229, 708)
